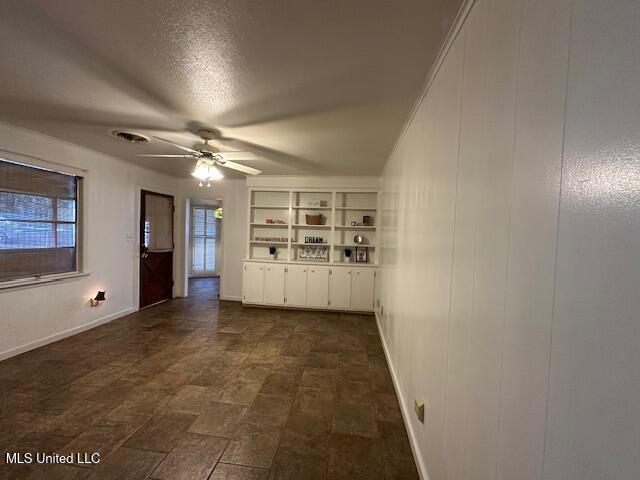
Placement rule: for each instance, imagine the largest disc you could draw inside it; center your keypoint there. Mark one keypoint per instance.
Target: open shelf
(338, 209)
(353, 245)
(311, 227)
(358, 227)
(358, 209)
(311, 208)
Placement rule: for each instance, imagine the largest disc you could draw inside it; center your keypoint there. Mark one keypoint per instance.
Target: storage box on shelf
(310, 230)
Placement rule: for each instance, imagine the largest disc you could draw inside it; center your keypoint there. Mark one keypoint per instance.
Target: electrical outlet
(418, 406)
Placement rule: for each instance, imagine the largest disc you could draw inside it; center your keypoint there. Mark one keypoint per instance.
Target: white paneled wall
(510, 249)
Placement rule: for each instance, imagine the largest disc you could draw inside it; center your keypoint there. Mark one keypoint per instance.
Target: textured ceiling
(310, 86)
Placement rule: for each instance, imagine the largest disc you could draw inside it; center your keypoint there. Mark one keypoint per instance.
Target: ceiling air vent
(129, 136)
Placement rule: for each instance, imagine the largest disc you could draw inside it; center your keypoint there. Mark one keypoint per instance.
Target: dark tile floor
(196, 388)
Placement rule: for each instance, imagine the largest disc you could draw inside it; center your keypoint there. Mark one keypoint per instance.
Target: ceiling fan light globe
(215, 174)
(201, 171)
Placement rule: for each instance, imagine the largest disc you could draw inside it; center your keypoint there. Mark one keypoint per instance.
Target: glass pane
(198, 255)
(66, 210)
(158, 234)
(18, 206)
(66, 234)
(198, 221)
(210, 258)
(16, 234)
(211, 223)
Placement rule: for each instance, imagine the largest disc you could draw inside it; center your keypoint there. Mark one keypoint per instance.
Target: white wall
(511, 254)
(32, 316)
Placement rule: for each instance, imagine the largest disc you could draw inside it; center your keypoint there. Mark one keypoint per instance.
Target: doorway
(156, 248)
(206, 224)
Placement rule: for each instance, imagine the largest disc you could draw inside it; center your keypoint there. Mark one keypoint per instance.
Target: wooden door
(156, 248)
(317, 287)
(296, 285)
(340, 288)
(253, 283)
(362, 288)
(274, 284)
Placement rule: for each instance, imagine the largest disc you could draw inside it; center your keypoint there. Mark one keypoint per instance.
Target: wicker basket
(315, 219)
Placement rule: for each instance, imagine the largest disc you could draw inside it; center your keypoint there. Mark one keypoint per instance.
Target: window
(38, 221)
(205, 227)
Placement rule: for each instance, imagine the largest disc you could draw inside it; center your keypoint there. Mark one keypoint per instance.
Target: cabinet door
(296, 286)
(273, 284)
(253, 283)
(362, 288)
(317, 287)
(340, 288)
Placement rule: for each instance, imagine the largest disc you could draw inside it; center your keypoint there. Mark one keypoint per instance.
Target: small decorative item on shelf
(354, 223)
(269, 220)
(314, 253)
(270, 239)
(272, 253)
(361, 255)
(367, 220)
(315, 203)
(347, 255)
(358, 239)
(315, 219)
(314, 240)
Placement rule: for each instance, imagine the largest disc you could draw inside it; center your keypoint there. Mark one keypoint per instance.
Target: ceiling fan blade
(186, 149)
(240, 168)
(243, 156)
(172, 156)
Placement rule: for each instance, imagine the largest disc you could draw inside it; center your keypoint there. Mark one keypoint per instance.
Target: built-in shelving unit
(344, 215)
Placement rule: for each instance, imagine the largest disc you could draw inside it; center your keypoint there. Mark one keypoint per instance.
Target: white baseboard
(67, 333)
(406, 411)
(231, 298)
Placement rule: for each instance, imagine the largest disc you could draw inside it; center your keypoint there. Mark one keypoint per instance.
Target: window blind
(38, 221)
(204, 240)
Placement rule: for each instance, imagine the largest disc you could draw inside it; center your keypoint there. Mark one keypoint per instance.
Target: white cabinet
(253, 283)
(317, 287)
(362, 288)
(340, 288)
(274, 283)
(296, 286)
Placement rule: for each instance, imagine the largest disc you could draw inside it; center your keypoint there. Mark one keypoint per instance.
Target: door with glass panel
(156, 248)
(204, 237)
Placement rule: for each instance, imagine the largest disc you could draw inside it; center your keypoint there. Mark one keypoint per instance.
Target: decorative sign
(314, 240)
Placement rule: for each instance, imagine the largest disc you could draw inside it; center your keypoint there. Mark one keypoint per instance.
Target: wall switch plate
(418, 406)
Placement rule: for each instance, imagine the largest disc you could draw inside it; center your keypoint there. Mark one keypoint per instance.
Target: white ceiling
(310, 86)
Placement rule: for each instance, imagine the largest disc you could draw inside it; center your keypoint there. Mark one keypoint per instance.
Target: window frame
(80, 240)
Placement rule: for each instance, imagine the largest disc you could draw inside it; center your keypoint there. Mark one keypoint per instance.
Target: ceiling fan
(208, 158)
